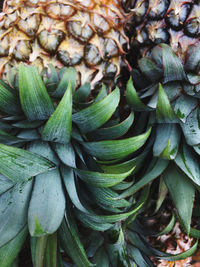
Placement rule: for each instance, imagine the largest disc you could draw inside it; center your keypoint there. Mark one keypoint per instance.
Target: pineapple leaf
(158, 167)
(102, 93)
(164, 111)
(150, 69)
(92, 117)
(82, 93)
(9, 140)
(5, 184)
(47, 205)
(101, 258)
(51, 251)
(9, 102)
(191, 128)
(98, 179)
(167, 141)
(189, 163)
(69, 77)
(133, 99)
(92, 220)
(34, 98)
(115, 131)
(13, 208)
(71, 243)
(117, 252)
(138, 257)
(19, 165)
(183, 255)
(38, 247)
(66, 154)
(182, 192)
(58, 127)
(115, 149)
(172, 66)
(184, 106)
(69, 181)
(9, 251)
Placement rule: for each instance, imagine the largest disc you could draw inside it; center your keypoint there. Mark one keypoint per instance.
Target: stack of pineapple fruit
(86, 163)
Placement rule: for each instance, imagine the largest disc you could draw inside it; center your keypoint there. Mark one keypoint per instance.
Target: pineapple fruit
(164, 90)
(176, 23)
(88, 35)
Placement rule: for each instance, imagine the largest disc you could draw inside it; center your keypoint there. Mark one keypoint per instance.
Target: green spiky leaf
(91, 118)
(35, 101)
(58, 127)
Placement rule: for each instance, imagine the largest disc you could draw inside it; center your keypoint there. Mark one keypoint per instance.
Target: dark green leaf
(34, 98)
(184, 106)
(13, 211)
(157, 169)
(167, 141)
(133, 99)
(91, 118)
(66, 154)
(182, 192)
(69, 180)
(191, 128)
(189, 163)
(9, 251)
(38, 247)
(71, 243)
(115, 131)
(9, 102)
(117, 252)
(101, 258)
(164, 111)
(98, 179)
(51, 251)
(18, 164)
(69, 76)
(82, 93)
(172, 65)
(47, 205)
(181, 256)
(5, 184)
(108, 150)
(8, 139)
(58, 127)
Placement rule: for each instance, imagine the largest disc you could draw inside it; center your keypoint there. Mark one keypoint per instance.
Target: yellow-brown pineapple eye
(4, 46)
(29, 25)
(22, 50)
(50, 40)
(60, 11)
(92, 55)
(80, 32)
(111, 48)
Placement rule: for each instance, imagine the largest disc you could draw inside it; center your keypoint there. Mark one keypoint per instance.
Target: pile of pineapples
(99, 130)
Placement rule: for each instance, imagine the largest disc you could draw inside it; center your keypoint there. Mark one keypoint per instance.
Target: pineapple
(150, 23)
(164, 89)
(87, 35)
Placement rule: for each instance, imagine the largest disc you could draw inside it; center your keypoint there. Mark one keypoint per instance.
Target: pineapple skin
(149, 23)
(88, 35)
